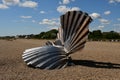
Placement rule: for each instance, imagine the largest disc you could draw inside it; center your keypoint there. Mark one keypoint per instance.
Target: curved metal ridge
(75, 29)
(43, 57)
(72, 36)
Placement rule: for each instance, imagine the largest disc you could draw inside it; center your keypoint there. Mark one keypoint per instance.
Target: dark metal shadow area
(95, 64)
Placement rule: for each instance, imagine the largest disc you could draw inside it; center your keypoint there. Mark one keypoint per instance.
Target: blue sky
(19, 17)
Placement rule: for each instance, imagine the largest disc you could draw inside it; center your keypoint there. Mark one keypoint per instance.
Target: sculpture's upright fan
(72, 36)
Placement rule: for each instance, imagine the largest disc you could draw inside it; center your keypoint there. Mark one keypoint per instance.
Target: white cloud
(95, 15)
(21, 3)
(64, 9)
(56, 19)
(104, 21)
(54, 28)
(75, 8)
(114, 1)
(66, 1)
(10, 2)
(111, 1)
(117, 0)
(60, 2)
(42, 12)
(101, 27)
(118, 19)
(26, 17)
(3, 6)
(98, 16)
(30, 4)
(116, 25)
(107, 12)
(50, 22)
(33, 21)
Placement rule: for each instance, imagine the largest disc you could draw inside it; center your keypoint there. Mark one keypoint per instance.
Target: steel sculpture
(72, 37)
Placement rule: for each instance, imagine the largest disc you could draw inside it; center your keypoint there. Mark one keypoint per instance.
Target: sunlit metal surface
(72, 36)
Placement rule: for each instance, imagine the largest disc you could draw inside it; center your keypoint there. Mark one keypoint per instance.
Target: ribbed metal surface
(46, 57)
(72, 36)
(74, 30)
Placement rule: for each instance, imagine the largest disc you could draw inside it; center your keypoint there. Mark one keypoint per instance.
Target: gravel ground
(97, 61)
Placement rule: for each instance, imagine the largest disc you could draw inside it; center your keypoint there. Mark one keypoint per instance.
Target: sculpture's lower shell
(47, 57)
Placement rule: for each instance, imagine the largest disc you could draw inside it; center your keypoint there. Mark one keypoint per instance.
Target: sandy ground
(97, 61)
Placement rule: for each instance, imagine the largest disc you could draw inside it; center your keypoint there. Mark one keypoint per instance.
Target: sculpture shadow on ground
(95, 64)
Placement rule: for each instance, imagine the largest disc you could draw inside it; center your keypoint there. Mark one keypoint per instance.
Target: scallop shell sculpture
(72, 36)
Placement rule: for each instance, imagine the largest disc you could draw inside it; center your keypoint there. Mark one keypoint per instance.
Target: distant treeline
(98, 35)
(52, 34)
(95, 35)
